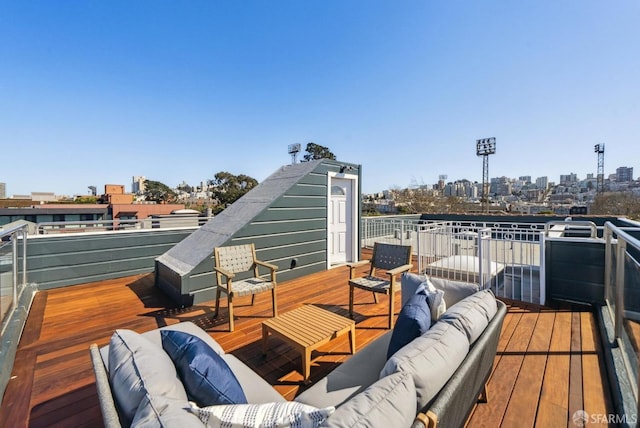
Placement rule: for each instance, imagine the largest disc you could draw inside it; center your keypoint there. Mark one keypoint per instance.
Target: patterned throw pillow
(265, 415)
(206, 377)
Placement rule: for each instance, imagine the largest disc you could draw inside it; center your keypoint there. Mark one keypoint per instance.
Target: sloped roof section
(198, 246)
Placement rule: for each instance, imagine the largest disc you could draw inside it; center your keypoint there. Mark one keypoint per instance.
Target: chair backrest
(389, 256)
(235, 258)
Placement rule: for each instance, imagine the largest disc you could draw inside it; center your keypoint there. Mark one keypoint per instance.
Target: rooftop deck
(549, 363)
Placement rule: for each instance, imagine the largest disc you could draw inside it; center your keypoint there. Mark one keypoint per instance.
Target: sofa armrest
(107, 405)
(452, 405)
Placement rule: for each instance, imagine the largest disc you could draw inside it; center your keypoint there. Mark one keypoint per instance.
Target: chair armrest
(354, 265)
(267, 265)
(400, 269)
(225, 272)
(357, 264)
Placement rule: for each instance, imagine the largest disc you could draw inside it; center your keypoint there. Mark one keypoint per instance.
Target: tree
(316, 151)
(228, 188)
(618, 203)
(156, 191)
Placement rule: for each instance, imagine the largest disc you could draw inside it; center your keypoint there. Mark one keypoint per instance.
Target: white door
(340, 221)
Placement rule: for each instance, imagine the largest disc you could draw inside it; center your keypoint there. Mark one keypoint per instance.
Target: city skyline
(94, 93)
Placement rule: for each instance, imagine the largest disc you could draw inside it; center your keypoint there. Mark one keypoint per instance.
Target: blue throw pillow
(206, 377)
(413, 321)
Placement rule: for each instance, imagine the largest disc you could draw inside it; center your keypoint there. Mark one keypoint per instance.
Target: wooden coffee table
(307, 328)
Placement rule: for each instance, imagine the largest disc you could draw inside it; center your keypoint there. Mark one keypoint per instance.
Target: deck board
(544, 356)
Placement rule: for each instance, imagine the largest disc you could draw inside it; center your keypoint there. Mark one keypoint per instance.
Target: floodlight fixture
(485, 146)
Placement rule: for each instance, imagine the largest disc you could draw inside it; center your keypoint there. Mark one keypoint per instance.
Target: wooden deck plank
(596, 400)
(520, 412)
(505, 375)
(575, 368)
(54, 385)
(554, 397)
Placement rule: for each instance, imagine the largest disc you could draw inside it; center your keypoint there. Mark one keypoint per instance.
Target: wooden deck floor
(548, 365)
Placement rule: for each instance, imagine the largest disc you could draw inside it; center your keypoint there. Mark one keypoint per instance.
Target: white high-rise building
(542, 182)
(137, 186)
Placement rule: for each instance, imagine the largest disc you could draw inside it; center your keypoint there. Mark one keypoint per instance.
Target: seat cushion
(280, 414)
(431, 359)
(472, 314)
(207, 378)
(413, 321)
(350, 378)
(375, 284)
(138, 367)
(389, 402)
(159, 412)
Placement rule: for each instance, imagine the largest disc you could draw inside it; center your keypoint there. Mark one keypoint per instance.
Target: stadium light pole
(599, 149)
(484, 148)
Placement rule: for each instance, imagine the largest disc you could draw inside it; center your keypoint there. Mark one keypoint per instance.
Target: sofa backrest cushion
(431, 359)
(454, 291)
(389, 402)
(413, 320)
(206, 377)
(138, 367)
(472, 314)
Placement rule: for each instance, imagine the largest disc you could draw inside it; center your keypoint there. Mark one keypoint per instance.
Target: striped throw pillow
(265, 415)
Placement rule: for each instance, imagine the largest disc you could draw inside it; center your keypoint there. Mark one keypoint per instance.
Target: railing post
(621, 250)
(607, 265)
(14, 268)
(543, 277)
(24, 256)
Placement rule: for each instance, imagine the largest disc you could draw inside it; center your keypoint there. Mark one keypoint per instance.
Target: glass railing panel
(6, 278)
(631, 317)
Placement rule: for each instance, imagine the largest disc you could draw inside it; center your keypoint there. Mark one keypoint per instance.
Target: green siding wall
(62, 260)
(292, 227)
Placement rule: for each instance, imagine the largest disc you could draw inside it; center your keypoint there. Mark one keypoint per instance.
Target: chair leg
(392, 302)
(217, 302)
(484, 396)
(230, 300)
(375, 297)
(253, 299)
(351, 287)
(274, 302)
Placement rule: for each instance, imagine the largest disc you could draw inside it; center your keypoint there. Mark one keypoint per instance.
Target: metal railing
(13, 274)
(161, 222)
(622, 295)
(508, 257)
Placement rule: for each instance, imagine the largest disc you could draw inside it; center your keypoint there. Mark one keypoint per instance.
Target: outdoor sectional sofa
(434, 380)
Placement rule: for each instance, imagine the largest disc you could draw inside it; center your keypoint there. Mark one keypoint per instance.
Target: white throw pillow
(264, 415)
(437, 305)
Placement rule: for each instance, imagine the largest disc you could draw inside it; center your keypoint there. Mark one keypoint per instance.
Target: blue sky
(95, 92)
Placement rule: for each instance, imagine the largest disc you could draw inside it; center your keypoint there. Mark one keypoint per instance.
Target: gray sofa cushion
(139, 367)
(472, 314)
(454, 291)
(160, 412)
(350, 378)
(389, 402)
(431, 359)
(256, 389)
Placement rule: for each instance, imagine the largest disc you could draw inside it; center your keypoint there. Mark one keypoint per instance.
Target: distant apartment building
(3, 190)
(569, 179)
(542, 182)
(500, 186)
(624, 174)
(525, 179)
(137, 185)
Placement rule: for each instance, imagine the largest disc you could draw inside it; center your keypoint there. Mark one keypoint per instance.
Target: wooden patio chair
(232, 260)
(394, 260)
